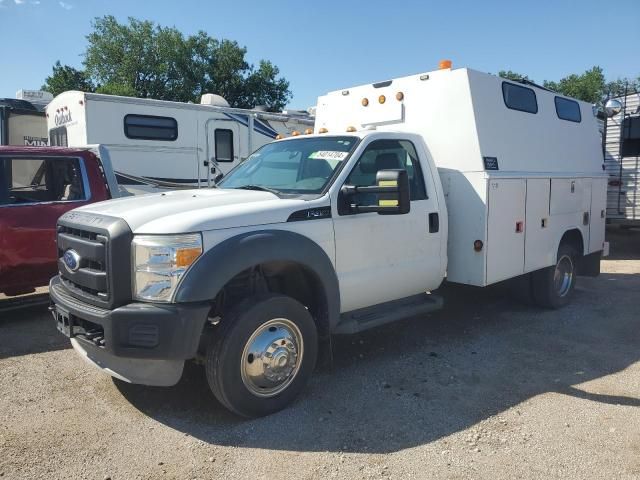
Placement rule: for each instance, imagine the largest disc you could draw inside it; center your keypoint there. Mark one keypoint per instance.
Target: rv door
(223, 147)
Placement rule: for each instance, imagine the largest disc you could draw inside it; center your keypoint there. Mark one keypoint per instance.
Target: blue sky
(326, 45)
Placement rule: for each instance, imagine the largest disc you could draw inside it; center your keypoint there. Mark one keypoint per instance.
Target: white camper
(622, 160)
(174, 142)
(22, 123)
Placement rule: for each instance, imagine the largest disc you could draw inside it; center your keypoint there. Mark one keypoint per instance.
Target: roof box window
(568, 109)
(519, 98)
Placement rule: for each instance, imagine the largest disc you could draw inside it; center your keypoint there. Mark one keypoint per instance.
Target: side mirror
(389, 196)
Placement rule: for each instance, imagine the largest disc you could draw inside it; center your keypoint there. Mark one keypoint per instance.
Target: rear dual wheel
(552, 287)
(262, 355)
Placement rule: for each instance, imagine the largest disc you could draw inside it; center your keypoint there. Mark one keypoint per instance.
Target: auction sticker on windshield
(329, 155)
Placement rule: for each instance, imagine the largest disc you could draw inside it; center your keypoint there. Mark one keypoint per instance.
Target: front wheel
(263, 355)
(553, 286)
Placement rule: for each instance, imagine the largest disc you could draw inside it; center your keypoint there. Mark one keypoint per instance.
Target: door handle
(434, 222)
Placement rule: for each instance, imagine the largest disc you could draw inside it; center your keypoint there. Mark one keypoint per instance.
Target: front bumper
(141, 343)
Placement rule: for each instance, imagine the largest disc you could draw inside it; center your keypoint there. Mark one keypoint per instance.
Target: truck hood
(197, 210)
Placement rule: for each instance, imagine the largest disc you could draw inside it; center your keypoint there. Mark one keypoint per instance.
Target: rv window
(35, 180)
(568, 109)
(519, 98)
(224, 145)
(149, 127)
(58, 137)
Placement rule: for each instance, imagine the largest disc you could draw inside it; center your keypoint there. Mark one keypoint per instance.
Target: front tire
(263, 355)
(553, 286)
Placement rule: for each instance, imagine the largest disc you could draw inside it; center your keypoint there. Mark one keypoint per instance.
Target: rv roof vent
(213, 99)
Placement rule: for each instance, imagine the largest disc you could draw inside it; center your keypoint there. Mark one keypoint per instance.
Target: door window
(224, 145)
(385, 155)
(33, 180)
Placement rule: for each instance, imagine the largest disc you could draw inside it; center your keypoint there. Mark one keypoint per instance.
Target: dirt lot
(485, 389)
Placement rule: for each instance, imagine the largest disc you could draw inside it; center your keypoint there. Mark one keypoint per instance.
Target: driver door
(380, 258)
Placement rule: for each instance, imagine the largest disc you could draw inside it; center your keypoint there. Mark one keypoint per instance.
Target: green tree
(66, 78)
(589, 87)
(510, 75)
(146, 60)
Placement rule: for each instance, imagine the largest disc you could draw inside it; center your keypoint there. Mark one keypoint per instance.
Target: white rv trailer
(519, 165)
(622, 161)
(179, 143)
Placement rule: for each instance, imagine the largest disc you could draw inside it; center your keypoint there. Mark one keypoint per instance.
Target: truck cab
(331, 233)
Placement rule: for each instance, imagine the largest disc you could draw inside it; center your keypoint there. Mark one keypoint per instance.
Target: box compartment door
(505, 239)
(539, 248)
(598, 214)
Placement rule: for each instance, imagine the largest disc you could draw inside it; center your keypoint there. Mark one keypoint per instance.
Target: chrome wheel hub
(271, 358)
(563, 275)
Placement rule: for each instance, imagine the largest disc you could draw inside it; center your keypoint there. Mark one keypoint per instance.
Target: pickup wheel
(553, 286)
(263, 355)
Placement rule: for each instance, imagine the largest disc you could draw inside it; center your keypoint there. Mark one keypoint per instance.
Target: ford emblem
(71, 260)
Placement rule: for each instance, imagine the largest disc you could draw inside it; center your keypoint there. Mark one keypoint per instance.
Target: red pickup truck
(37, 186)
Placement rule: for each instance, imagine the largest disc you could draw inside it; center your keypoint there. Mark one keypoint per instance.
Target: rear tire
(262, 355)
(553, 286)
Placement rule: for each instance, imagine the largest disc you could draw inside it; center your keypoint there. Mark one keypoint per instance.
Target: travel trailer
(452, 174)
(167, 142)
(22, 123)
(622, 160)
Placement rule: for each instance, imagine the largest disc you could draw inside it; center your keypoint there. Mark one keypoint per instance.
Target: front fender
(218, 265)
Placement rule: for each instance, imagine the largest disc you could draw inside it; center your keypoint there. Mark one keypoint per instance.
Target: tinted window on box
(519, 98)
(148, 127)
(568, 109)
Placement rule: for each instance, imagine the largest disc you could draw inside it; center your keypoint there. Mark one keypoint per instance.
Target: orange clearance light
(382, 99)
(279, 137)
(365, 102)
(295, 133)
(444, 64)
(399, 96)
(477, 245)
(351, 129)
(308, 131)
(323, 130)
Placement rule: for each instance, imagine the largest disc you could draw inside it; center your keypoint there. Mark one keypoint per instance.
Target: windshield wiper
(259, 188)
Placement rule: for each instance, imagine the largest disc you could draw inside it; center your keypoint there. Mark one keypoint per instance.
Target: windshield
(299, 166)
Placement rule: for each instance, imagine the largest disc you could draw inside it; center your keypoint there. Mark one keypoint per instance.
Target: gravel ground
(486, 388)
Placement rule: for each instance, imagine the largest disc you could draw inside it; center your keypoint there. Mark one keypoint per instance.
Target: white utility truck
(450, 174)
(167, 142)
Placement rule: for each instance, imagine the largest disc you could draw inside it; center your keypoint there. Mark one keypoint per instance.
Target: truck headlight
(160, 261)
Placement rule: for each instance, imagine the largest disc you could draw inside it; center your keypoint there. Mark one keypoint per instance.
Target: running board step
(370, 317)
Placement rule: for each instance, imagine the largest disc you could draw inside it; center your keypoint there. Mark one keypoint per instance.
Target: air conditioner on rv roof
(213, 99)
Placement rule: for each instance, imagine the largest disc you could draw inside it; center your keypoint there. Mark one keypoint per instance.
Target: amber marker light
(477, 245)
(382, 99)
(308, 131)
(351, 129)
(295, 133)
(365, 102)
(323, 130)
(279, 137)
(444, 64)
(186, 256)
(399, 96)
